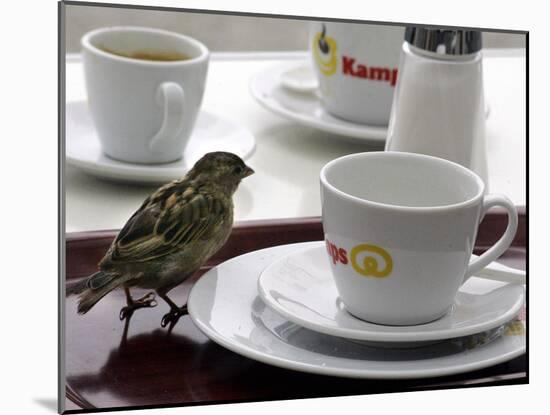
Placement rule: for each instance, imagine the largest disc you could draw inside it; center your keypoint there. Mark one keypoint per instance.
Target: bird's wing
(167, 223)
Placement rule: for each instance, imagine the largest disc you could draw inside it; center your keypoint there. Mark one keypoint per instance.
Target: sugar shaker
(438, 105)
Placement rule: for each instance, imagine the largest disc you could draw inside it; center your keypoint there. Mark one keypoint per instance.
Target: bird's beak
(247, 172)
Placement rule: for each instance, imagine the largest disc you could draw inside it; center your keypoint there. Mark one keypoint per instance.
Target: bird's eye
(238, 170)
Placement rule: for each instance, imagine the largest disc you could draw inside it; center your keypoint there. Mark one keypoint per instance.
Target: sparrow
(176, 230)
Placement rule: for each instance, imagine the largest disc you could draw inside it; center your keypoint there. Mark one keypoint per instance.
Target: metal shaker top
(444, 42)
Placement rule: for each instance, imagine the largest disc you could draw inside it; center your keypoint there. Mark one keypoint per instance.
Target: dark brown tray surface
(148, 367)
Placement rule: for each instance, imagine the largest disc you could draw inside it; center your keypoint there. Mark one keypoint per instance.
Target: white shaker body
(439, 109)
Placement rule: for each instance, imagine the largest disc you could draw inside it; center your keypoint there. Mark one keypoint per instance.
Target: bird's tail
(75, 287)
(93, 289)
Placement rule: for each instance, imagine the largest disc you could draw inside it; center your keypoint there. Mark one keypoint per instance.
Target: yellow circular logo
(370, 267)
(324, 52)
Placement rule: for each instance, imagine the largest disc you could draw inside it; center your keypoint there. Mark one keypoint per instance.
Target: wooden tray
(112, 365)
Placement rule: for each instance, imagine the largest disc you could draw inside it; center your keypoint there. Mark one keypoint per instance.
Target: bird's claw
(172, 317)
(148, 300)
(125, 312)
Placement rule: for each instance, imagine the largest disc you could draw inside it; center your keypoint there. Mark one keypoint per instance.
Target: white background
(29, 204)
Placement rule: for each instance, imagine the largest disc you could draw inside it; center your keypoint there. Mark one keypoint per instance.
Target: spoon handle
(509, 275)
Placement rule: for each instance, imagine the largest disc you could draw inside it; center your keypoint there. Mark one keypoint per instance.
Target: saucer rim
(150, 174)
(481, 360)
(395, 337)
(363, 133)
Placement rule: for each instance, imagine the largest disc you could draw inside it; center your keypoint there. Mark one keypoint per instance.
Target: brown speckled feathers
(172, 217)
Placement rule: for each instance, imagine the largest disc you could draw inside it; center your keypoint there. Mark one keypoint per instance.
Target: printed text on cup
(368, 260)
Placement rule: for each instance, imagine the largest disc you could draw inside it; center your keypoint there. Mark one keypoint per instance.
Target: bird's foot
(147, 300)
(173, 316)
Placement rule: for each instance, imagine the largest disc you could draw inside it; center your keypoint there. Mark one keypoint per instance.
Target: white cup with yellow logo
(356, 66)
(400, 229)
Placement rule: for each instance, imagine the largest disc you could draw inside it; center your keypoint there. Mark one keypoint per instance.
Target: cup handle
(503, 243)
(170, 96)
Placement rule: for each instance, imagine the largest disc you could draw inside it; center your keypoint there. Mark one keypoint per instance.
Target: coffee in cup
(400, 229)
(149, 54)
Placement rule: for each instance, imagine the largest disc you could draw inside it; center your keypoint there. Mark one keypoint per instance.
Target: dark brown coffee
(149, 55)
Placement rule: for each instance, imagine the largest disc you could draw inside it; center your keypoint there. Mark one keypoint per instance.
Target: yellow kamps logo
(366, 259)
(324, 52)
(370, 267)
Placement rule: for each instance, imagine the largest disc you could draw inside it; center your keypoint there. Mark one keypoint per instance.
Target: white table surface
(289, 156)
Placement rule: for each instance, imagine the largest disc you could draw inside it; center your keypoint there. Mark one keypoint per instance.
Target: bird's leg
(175, 312)
(148, 300)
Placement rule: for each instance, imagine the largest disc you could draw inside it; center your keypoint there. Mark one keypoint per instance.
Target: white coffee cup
(144, 110)
(356, 66)
(400, 229)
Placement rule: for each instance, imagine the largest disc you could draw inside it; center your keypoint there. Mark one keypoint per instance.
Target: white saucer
(211, 133)
(305, 108)
(290, 90)
(225, 305)
(300, 287)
